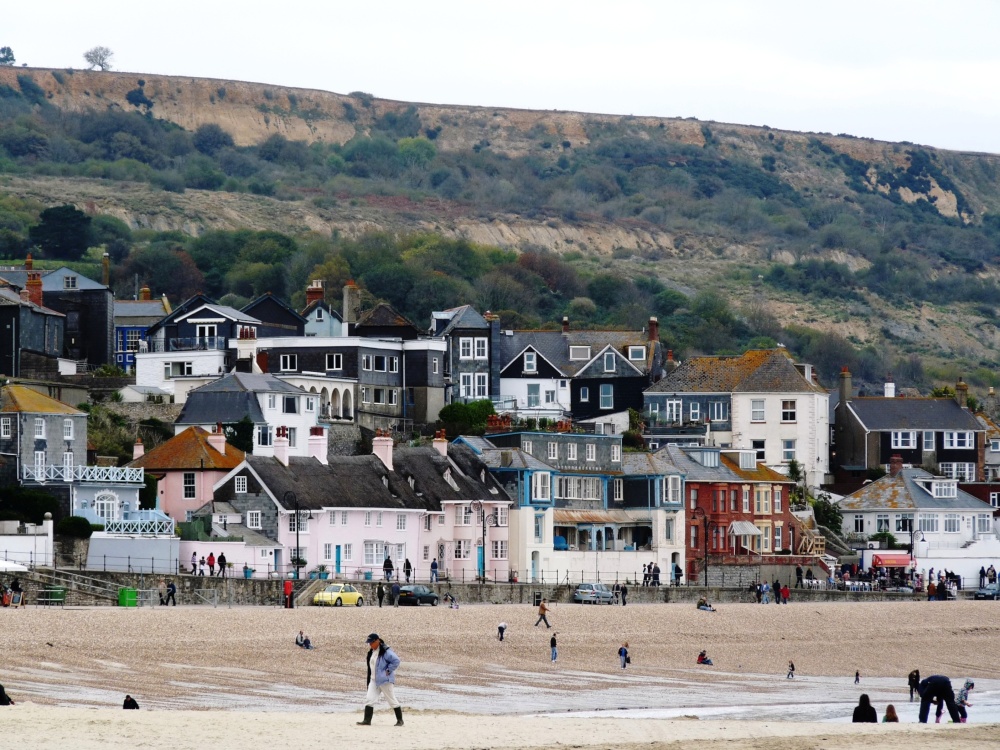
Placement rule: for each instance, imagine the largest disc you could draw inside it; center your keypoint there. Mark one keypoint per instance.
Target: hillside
(891, 246)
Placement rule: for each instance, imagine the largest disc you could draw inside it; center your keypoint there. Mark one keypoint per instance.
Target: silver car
(593, 593)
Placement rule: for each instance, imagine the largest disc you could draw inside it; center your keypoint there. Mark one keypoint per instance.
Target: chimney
(217, 439)
(138, 450)
(565, 324)
(990, 404)
(144, 294)
(166, 304)
(654, 329)
(382, 447)
(671, 364)
(962, 393)
(34, 287)
(895, 465)
(314, 292)
(29, 263)
(352, 303)
(281, 445)
(106, 269)
(890, 387)
(441, 443)
(318, 444)
(845, 385)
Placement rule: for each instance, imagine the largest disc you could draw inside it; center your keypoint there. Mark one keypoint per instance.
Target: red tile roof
(189, 450)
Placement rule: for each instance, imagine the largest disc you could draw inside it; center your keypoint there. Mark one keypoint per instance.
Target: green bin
(55, 595)
(128, 598)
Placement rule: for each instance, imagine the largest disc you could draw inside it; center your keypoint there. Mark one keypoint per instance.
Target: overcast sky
(918, 71)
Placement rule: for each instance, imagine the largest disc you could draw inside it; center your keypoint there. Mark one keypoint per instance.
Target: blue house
(132, 321)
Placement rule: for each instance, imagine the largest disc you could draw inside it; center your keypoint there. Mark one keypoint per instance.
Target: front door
(482, 561)
(337, 563)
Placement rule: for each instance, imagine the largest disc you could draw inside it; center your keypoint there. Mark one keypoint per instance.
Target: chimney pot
(314, 292)
(382, 447)
(318, 444)
(34, 287)
(217, 439)
(138, 450)
(29, 263)
(654, 329)
(281, 445)
(144, 294)
(895, 465)
(565, 324)
(106, 269)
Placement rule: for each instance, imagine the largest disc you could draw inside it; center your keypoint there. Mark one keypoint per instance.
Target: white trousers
(385, 690)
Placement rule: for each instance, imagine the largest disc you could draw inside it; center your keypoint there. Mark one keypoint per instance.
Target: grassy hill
(880, 254)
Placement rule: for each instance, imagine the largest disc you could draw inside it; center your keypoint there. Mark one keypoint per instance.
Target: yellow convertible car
(337, 595)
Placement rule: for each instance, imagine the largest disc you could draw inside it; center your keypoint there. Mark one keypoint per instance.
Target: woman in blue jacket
(381, 679)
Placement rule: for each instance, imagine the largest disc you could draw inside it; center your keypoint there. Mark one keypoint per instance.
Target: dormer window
(609, 362)
(412, 482)
(748, 460)
(69, 282)
(577, 353)
(530, 362)
(637, 353)
(319, 314)
(450, 480)
(385, 481)
(944, 488)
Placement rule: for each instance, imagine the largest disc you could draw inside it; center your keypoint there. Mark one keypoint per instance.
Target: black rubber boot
(399, 716)
(369, 710)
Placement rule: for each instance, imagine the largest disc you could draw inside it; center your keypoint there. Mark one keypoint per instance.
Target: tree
(210, 138)
(99, 57)
(6, 56)
(240, 434)
(827, 513)
(62, 232)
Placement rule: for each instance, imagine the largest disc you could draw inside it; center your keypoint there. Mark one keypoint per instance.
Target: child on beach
(791, 670)
(890, 715)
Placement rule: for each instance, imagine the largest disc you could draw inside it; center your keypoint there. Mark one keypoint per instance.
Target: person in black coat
(913, 680)
(864, 712)
(937, 688)
(130, 703)
(5, 699)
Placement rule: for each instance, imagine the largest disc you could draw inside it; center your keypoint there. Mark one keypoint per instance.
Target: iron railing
(75, 473)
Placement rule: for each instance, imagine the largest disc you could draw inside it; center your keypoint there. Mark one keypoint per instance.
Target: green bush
(76, 527)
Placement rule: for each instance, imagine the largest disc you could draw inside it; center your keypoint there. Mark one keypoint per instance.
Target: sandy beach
(222, 678)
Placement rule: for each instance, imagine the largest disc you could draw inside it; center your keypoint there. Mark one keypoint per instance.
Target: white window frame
(694, 411)
(482, 385)
(789, 411)
(673, 494)
(607, 396)
(616, 454)
(5, 431)
(788, 450)
(578, 353)
(400, 522)
(190, 485)
(503, 515)
(67, 429)
(434, 365)
(552, 452)
(757, 412)
(718, 411)
(904, 440)
(541, 486)
(674, 410)
(526, 446)
(746, 499)
(366, 362)
(776, 498)
(609, 361)
(254, 519)
(465, 348)
(343, 518)
(591, 452)
(584, 394)
(637, 353)
(465, 385)
(952, 523)
(618, 490)
(571, 451)
(499, 549)
(482, 348)
(530, 362)
(928, 441)
(368, 518)
(959, 440)
(335, 361)
(39, 428)
(289, 362)
(777, 537)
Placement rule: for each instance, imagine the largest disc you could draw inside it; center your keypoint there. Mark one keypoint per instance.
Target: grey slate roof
(881, 414)
(226, 407)
(466, 316)
(223, 310)
(139, 312)
(52, 280)
(905, 491)
(320, 303)
(428, 467)
(519, 460)
(648, 463)
(10, 298)
(554, 346)
(694, 471)
(236, 382)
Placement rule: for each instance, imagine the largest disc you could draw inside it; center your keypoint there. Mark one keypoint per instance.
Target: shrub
(76, 527)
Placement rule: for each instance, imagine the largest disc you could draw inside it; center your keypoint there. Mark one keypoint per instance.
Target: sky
(918, 71)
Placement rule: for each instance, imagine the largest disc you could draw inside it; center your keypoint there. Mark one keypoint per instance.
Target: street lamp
(699, 512)
(291, 499)
(913, 561)
(488, 520)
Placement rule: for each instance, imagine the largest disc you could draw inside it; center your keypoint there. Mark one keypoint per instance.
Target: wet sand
(219, 677)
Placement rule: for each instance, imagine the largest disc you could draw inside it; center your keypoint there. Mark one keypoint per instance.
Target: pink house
(187, 466)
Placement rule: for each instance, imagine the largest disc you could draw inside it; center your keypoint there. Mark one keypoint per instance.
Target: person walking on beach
(624, 593)
(501, 629)
(5, 700)
(777, 591)
(864, 712)
(623, 654)
(645, 575)
(857, 677)
(656, 574)
(380, 593)
(543, 610)
(171, 593)
(381, 679)
(937, 689)
(913, 681)
(982, 576)
(552, 645)
(791, 670)
(161, 589)
(201, 566)
(785, 593)
(764, 589)
(963, 699)
(130, 703)
(394, 591)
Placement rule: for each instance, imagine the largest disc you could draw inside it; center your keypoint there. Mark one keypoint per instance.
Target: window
(463, 549)
(788, 411)
(777, 499)
(366, 395)
(577, 353)
(482, 385)
(327, 551)
(777, 537)
(319, 314)
(264, 436)
(177, 369)
(303, 521)
(39, 428)
(673, 411)
(984, 523)
(591, 452)
(995, 446)
(995, 499)
(673, 494)
(904, 523)
(732, 500)
(482, 348)
(607, 396)
(928, 441)
(550, 397)
(334, 361)
(5, 427)
(310, 403)
(502, 515)
(959, 440)
(758, 445)
(465, 348)
(393, 396)
(945, 489)
(289, 362)
(380, 363)
(533, 395)
(694, 537)
(718, 411)
(903, 440)
(637, 352)
(579, 488)
(952, 523)
(539, 527)
(757, 410)
(400, 522)
(465, 385)
(766, 536)
(530, 362)
(253, 519)
(499, 549)
(526, 446)
(540, 485)
(378, 518)
(927, 522)
(617, 490)
(616, 453)
(427, 552)
(881, 522)
(787, 450)
(292, 432)
(190, 491)
(963, 472)
(571, 452)
(393, 364)
(694, 497)
(67, 429)
(290, 404)
(132, 338)
(374, 555)
(553, 451)
(368, 518)
(609, 361)
(668, 529)
(694, 411)
(366, 362)
(584, 394)
(746, 499)
(272, 401)
(69, 282)
(859, 524)
(379, 395)
(68, 465)
(434, 365)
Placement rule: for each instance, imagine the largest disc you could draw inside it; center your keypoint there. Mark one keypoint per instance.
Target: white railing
(63, 473)
(141, 526)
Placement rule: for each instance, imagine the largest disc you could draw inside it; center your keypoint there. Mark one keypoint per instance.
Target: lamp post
(913, 560)
(291, 499)
(699, 512)
(488, 520)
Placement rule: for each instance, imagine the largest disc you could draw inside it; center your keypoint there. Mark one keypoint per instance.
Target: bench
(48, 597)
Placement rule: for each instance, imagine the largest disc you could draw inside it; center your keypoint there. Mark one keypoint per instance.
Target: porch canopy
(568, 517)
(602, 529)
(891, 560)
(744, 528)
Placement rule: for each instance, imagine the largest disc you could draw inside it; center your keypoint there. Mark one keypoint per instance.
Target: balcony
(131, 522)
(192, 344)
(96, 474)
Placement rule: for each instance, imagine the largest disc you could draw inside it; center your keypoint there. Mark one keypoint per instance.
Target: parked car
(337, 595)
(990, 591)
(417, 595)
(593, 593)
